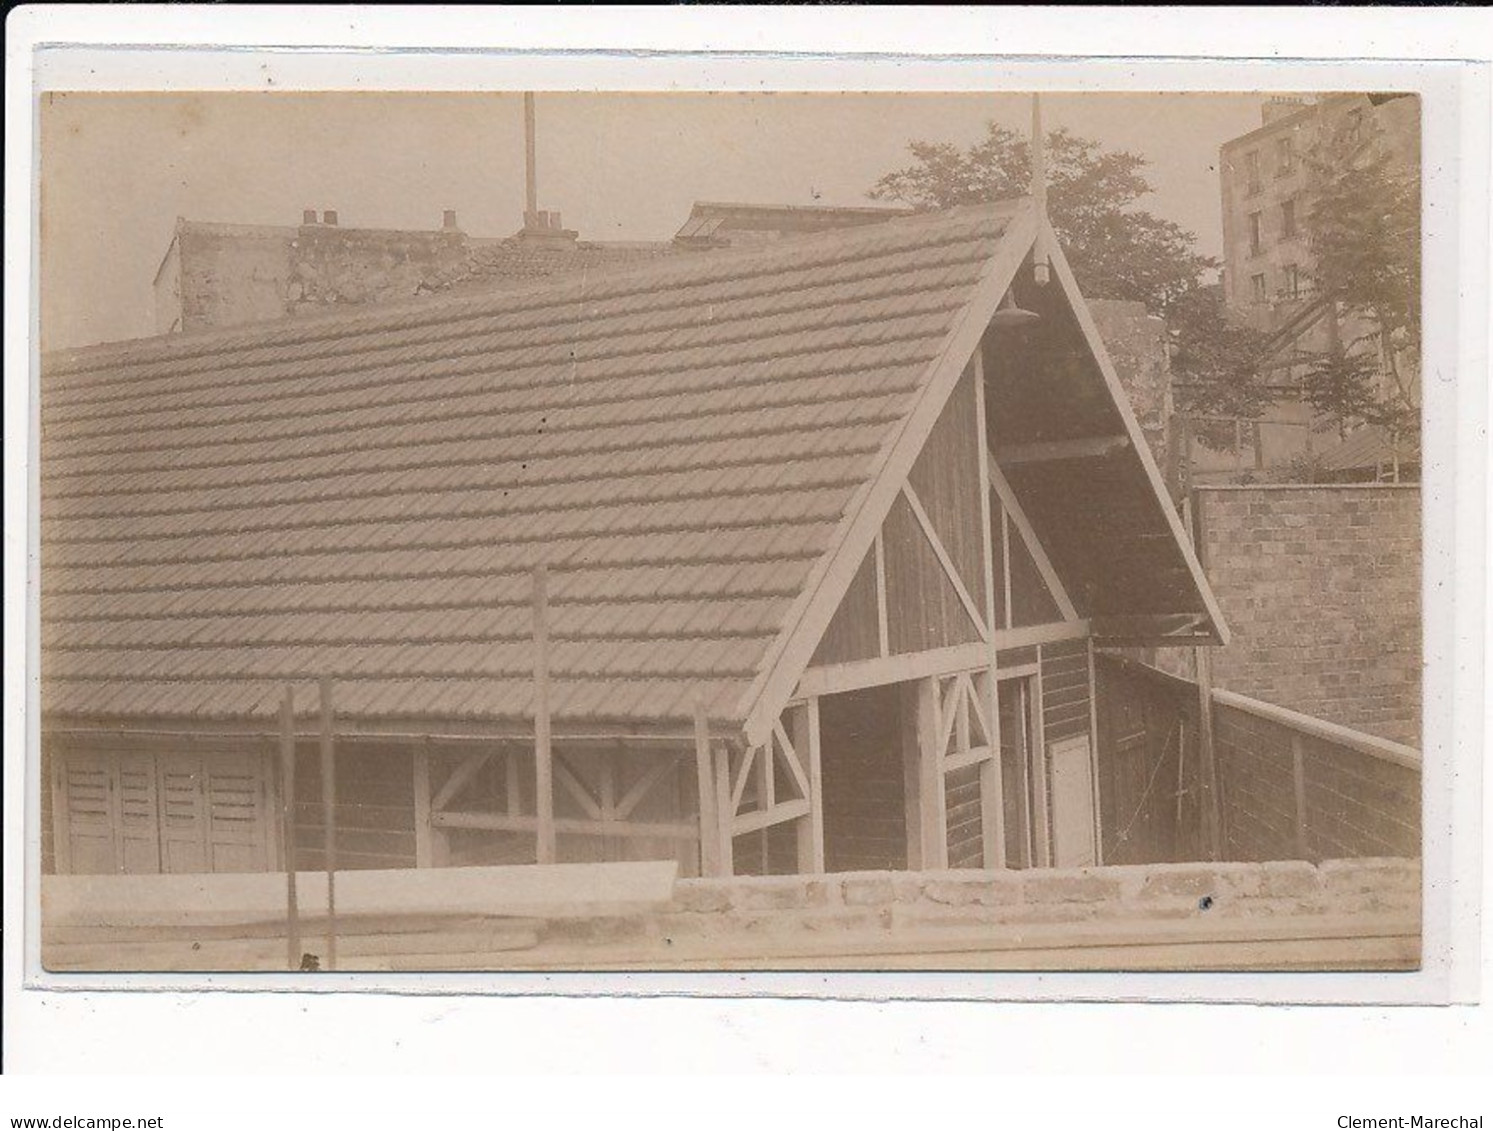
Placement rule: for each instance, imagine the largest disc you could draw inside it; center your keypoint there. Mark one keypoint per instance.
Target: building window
(1288, 219)
(1285, 156)
(1255, 243)
(1252, 171)
(1291, 287)
(1257, 289)
(1355, 126)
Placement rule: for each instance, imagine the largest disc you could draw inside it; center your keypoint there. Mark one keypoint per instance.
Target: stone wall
(1352, 912)
(1320, 587)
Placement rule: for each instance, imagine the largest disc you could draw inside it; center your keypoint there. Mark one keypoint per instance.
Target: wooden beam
(764, 818)
(710, 821)
(721, 756)
(460, 778)
(1207, 767)
(1182, 627)
(883, 629)
(544, 770)
(1094, 758)
(577, 826)
(287, 828)
(923, 779)
(1041, 818)
(811, 828)
(424, 855)
(577, 789)
(329, 816)
(942, 554)
(1089, 447)
(645, 784)
(963, 759)
(992, 796)
(855, 675)
(1017, 516)
(1298, 780)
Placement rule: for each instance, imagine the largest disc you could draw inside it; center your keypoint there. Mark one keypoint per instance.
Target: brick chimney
(545, 229)
(1279, 107)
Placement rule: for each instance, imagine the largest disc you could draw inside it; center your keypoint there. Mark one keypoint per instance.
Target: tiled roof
(363, 496)
(1368, 447)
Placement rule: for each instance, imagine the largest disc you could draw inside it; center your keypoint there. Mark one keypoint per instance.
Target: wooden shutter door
(238, 824)
(84, 814)
(138, 816)
(183, 814)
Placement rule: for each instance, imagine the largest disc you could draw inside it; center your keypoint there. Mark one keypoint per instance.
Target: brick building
(1264, 182)
(1321, 588)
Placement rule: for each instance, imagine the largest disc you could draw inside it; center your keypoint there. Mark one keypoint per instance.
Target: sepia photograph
(562, 531)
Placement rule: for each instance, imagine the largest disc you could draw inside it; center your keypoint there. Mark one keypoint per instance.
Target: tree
(1364, 230)
(1116, 249)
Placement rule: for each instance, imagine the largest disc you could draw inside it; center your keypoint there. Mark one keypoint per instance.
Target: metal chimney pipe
(531, 190)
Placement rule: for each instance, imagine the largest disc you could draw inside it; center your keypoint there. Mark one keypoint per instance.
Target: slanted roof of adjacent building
(364, 495)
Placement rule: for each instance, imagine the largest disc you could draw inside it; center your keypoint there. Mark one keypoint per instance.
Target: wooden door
(1072, 771)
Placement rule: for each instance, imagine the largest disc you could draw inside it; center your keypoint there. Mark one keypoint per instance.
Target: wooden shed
(788, 559)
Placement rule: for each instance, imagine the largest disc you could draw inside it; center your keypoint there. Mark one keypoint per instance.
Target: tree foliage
(1116, 249)
(1364, 229)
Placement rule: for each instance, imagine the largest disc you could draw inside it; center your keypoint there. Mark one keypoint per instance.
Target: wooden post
(329, 817)
(810, 827)
(531, 178)
(992, 799)
(287, 832)
(922, 776)
(424, 851)
(725, 815)
(710, 842)
(544, 767)
(1298, 774)
(1193, 520)
(1207, 766)
(1094, 757)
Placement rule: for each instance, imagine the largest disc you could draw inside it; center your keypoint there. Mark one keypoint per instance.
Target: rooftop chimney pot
(308, 216)
(329, 217)
(448, 218)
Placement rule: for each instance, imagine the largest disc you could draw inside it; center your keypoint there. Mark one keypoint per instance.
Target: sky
(118, 169)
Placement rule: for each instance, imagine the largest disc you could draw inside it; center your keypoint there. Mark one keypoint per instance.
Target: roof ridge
(443, 308)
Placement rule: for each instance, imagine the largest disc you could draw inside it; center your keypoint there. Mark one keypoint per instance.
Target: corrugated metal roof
(364, 496)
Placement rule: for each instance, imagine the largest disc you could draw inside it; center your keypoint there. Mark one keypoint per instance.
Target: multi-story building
(1268, 269)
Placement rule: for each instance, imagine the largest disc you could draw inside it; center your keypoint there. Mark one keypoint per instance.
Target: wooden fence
(1286, 786)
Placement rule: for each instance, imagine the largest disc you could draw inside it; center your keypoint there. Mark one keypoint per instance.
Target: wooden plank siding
(853, 632)
(1065, 689)
(965, 818)
(947, 480)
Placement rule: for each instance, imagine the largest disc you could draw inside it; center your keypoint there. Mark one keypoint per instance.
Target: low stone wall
(916, 909)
